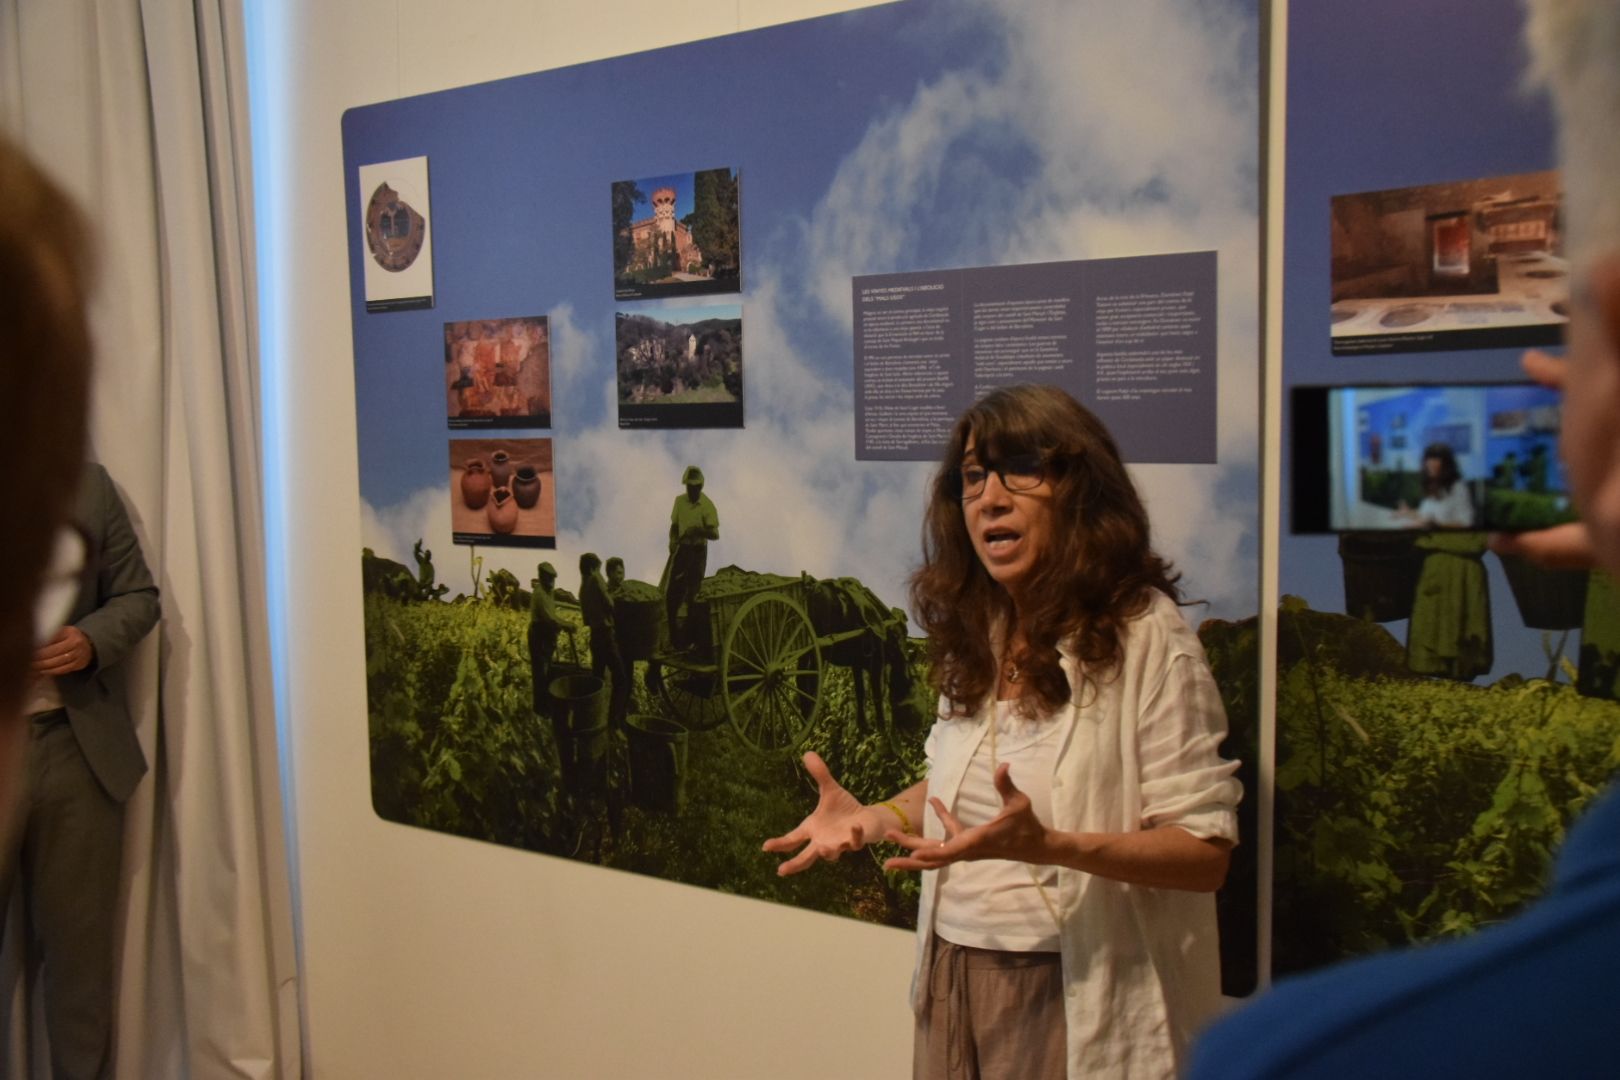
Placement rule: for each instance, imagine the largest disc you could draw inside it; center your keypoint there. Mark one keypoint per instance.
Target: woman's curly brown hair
(1099, 571)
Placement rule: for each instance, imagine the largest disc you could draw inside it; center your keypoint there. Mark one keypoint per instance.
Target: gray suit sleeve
(126, 597)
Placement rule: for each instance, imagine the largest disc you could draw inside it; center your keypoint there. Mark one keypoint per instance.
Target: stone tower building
(661, 233)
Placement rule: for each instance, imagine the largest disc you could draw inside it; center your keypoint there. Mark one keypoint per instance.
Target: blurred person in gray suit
(68, 544)
(84, 762)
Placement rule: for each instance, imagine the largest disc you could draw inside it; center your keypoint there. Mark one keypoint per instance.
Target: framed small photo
(503, 492)
(1470, 264)
(497, 373)
(680, 367)
(677, 235)
(396, 226)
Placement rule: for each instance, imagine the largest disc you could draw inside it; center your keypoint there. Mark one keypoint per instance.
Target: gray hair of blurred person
(1575, 53)
(44, 391)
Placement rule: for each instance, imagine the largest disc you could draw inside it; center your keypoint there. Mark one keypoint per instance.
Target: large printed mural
(701, 574)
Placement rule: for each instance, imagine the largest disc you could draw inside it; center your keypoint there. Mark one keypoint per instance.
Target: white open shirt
(1141, 966)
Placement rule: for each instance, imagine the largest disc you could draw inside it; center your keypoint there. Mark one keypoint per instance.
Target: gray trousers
(70, 836)
(990, 1015)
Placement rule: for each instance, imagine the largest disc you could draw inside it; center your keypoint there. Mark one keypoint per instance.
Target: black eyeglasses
(1018, 472)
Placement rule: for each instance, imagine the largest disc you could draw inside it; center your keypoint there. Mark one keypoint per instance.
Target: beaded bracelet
(905, 822)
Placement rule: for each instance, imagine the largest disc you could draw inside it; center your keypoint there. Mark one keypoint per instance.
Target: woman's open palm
(834, 827)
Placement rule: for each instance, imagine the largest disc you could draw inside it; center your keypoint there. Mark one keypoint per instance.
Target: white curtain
(140, 107)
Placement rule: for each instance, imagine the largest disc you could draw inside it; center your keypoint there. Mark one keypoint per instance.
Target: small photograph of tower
(676, 235)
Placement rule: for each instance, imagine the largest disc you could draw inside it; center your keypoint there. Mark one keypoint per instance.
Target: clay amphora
(503, 511)
(500, 467)
(526, 486)
(475, 484)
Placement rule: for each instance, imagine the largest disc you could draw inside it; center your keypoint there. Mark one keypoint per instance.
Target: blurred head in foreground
(44, 388)
(1575, 47)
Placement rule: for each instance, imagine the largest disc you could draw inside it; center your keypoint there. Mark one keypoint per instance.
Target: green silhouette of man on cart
(693, 522)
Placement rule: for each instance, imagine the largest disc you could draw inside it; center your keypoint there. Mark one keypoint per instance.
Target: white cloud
(1203, 533)
(580, 365)
(867, 221)
(789, 496)
(392, 531)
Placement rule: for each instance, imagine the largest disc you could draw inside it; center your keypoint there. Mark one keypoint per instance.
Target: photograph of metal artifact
(397, 233)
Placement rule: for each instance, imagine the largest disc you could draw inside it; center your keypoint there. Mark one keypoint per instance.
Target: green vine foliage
(457, 748)
(1410, 809)
(873, 765)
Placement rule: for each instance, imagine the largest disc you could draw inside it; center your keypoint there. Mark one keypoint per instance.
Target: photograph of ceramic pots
(500, 467)
(526, 486)
(503, 511)
(475, 484)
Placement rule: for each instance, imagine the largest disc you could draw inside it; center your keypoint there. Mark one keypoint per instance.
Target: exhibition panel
(782, 261)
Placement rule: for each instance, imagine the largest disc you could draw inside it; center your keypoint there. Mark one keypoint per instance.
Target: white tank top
(994, 903)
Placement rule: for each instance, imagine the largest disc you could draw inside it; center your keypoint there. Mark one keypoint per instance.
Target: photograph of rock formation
(680, 367)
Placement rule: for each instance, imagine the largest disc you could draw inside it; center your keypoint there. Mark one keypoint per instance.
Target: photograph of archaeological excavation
(1466, 265)
(497, 373)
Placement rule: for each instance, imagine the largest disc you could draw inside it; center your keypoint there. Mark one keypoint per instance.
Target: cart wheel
(690, 697)
(770, 666)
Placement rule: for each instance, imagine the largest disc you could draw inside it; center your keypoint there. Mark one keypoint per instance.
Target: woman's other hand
(1014, 833)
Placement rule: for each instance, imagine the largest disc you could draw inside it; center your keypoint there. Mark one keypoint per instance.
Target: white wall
(424, 955)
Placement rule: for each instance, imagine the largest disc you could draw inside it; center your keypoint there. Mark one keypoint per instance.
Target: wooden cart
(751, 656)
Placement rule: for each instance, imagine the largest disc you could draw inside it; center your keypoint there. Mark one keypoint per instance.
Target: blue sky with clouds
(912, 136)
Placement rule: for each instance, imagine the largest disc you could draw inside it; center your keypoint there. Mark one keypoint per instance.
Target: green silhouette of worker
(425, 588)
(596, 607)
(693, 522)
(544, 627)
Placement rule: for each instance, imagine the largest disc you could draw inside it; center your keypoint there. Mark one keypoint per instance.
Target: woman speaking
(1076, 816)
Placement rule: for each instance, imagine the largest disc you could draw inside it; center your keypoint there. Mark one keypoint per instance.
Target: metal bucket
(579, 722)
(580, 702)
(1380, 575)
(657, 748)
(1547, 599)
